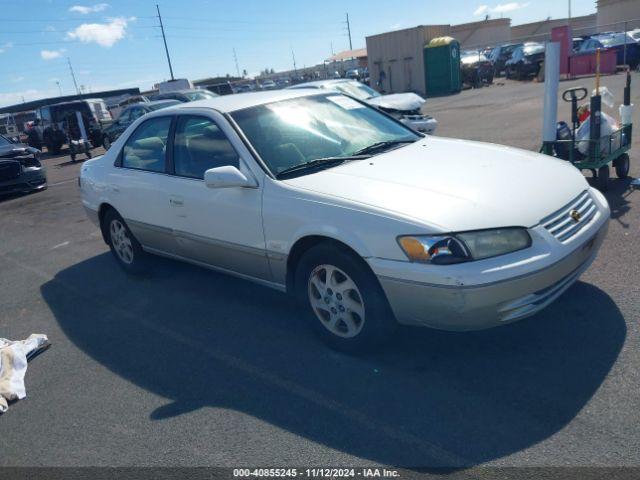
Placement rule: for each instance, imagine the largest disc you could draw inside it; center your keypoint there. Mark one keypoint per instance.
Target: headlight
(464, 247)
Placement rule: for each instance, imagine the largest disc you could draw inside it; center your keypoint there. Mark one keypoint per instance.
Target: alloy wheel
(121, 241)
(336, 301)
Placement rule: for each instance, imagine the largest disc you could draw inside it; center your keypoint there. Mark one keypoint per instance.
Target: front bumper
(469, 304)
(30, 180)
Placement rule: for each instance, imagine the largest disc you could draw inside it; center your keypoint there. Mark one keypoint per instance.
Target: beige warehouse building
(615, 14)
(399, 54)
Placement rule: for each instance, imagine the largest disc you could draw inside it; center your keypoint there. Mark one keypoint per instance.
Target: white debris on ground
(14, 356)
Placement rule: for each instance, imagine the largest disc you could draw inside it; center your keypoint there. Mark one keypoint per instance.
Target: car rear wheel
(124, 246)
(621, 165)
(603, 178)
(343, 299)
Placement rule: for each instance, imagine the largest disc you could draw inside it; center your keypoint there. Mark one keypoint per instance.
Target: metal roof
(35, 104)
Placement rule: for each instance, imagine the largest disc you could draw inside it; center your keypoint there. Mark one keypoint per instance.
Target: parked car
(185, 95)
(354, 74)
(499, 56)
(20, 168)
(619, 42)
(405, 107)
(366, 222)
(242, 88)
(476, 69)
(223, 88)
(525, 61)
(283, 82)
(117, 109)
(130, 115)
(52, 118)
(268, 85)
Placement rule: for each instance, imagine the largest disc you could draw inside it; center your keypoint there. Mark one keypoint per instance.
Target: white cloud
(104, 34)
(6, 47)
(509, 7)
(84, 10)
(11, 98)
(51, 54)
(500, 8)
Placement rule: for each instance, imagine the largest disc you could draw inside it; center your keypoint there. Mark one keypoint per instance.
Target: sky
(117, 43)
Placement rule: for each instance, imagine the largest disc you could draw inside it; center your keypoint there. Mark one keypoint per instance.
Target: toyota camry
(365, 222)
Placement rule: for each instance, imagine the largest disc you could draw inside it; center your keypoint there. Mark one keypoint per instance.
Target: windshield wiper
(383, 146)
(318, 163)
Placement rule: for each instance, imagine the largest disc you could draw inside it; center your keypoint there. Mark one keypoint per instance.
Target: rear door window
(146, 148)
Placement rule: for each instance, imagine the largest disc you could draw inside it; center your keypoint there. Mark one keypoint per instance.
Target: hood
(16, 150)
(454, 185)
(398, 101)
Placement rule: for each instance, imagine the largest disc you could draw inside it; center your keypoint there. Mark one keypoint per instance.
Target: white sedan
(402, 106)
(366, 222)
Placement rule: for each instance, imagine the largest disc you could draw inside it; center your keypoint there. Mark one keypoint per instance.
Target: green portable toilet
(442, 67)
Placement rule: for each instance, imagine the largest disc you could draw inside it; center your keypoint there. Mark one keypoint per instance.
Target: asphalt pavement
(186, 367)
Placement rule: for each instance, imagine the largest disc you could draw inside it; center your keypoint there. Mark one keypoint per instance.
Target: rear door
(139, 186)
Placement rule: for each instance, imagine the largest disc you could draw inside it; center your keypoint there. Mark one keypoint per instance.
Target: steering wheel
(579, 93)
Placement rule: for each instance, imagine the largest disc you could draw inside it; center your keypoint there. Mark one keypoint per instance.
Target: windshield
(199, 95)
(472, 57)
(355, 89)
(533, 49)
(164, 104)
(297, 131)
(617, 39)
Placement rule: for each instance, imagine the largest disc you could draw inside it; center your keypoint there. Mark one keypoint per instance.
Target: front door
(219, 227)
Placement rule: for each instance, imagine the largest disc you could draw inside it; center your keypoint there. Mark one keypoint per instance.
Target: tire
(603, 178)
(124, 246)
(350, 312)
(106, 142)
(621, 165)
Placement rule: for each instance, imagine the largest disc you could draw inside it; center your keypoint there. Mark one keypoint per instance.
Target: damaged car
(365, 222)
(20, 168)
(405, 107)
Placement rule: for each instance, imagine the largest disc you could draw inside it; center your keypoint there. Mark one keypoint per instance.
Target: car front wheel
(124, 246)
(343, 299)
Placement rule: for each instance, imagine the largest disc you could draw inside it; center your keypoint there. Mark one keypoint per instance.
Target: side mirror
(226, 177)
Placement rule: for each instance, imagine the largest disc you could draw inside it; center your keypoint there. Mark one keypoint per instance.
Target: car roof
(169, 101)
(240, 101)
(321, 83)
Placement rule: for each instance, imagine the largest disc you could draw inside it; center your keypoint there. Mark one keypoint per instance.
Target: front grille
(570, 219)
(9, 170)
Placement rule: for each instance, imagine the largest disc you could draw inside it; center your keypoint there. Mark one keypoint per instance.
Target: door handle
(176, 201)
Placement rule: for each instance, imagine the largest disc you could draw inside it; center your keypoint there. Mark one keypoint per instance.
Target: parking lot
(186, 367)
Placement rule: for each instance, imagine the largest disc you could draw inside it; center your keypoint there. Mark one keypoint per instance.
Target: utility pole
(235, 57)
(295, 69)
(73, 75)
(164, 38)
(569, 11)
(59, 87)
(349, 32)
